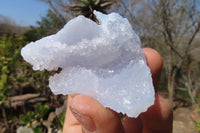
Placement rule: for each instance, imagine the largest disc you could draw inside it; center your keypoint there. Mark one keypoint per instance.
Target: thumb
(93, 117)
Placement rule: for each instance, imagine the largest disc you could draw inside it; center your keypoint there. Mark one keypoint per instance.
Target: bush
(10, 61)
(15, 74)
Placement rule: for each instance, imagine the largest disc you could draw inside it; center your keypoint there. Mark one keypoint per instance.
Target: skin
(86, 115)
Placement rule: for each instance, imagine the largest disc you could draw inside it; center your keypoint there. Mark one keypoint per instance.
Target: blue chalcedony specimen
(103, 61)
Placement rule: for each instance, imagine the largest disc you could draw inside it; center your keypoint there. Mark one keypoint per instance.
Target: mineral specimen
(103, 61)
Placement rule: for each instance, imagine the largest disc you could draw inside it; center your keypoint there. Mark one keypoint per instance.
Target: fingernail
(86, 122)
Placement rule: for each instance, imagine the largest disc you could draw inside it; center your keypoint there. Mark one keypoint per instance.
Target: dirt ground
(184, 115)
(184, 119)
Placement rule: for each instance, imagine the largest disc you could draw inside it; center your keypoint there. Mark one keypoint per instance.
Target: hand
(86, 115)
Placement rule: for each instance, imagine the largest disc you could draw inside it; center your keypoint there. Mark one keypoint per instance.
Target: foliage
(66, 8)
(38, 129)
(171, 28)
(198, 109)
(27, 119)
(86, 7)
(38, 115)
(8, 26)
(49, 24)
(41, 110)
(12, 118)
(10, 47)
(166, 25)
(15, 73)
(17, 76)
(197, 125)
(191, 84)
(59, 120)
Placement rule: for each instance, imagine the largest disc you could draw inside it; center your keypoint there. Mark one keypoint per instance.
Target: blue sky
(23, 12)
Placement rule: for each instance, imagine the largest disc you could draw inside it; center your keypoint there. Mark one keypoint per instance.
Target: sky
(23, 12)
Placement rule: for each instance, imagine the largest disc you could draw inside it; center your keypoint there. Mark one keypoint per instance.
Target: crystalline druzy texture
(103, 61)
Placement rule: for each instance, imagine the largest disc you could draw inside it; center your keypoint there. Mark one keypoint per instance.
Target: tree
(177, 23)
(169, 26)
(191, 84)
(59, 7)
(8, 26)
(49, 24)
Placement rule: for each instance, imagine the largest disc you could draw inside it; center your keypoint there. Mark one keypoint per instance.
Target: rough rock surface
(103, 61)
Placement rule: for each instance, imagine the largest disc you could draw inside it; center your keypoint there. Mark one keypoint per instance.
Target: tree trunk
(169, 78)
(171, 91)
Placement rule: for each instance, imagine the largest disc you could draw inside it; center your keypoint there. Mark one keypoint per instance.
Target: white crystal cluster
(103, 61)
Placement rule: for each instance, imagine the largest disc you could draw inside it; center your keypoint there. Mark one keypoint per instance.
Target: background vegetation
(171, 27)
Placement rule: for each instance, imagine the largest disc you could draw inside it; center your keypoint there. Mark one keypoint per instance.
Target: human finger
(93, 117)
(158, 118)
(71, 125)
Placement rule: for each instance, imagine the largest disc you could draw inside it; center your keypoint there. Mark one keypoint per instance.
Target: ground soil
(184, 115)
(184, 119)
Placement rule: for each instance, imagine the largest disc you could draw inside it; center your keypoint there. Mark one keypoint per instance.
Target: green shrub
(27, 119)
(38, 115)
(10, 47)
(59, 120)
(42, 111)
(38, 129)
(15, 73)
(50, 24)
(197, 125)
